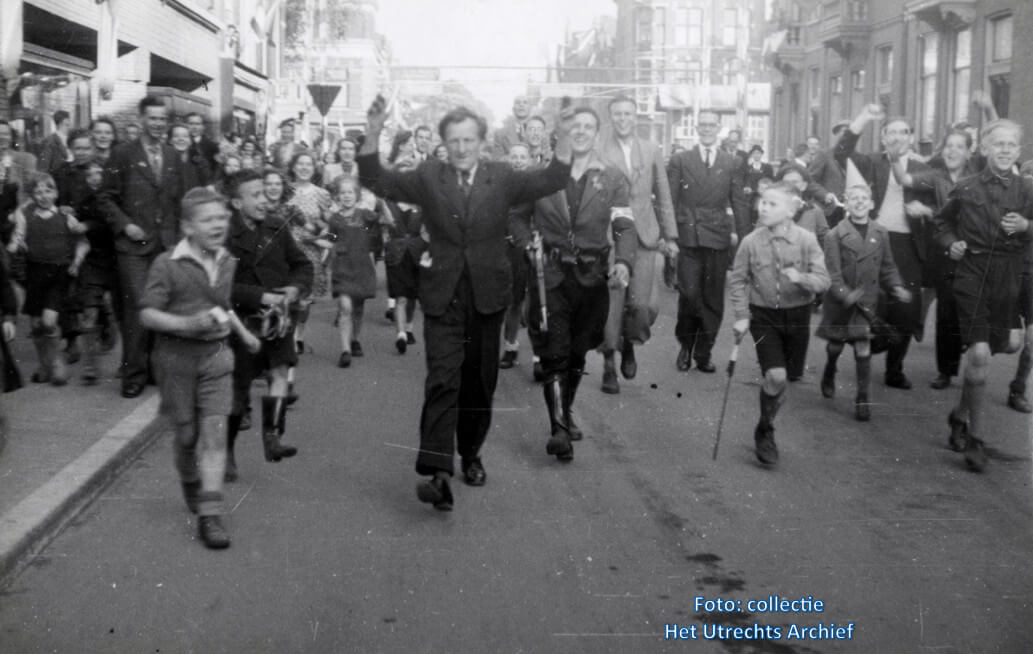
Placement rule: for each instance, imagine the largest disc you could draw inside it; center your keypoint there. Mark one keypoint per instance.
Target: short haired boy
(859, 261)
(272, 274)
(187, 303)
(985, 225)
(777, 272)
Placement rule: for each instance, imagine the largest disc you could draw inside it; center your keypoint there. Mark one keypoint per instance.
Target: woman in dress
(313, 204)
(194, 168)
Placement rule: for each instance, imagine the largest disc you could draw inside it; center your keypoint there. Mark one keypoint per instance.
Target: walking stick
(728, 387)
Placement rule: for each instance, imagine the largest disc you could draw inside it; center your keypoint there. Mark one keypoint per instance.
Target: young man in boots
(186, 303)
(986, 227)
(575, 225)
(778, 270)
(272, 273)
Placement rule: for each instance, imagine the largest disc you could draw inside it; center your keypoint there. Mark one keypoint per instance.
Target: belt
(570, 254)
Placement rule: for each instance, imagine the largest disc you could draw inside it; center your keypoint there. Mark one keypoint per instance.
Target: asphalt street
(332, 552)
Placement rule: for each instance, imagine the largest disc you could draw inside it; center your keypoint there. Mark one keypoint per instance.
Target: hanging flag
(11, 39)
(262, 20)
(107, 48)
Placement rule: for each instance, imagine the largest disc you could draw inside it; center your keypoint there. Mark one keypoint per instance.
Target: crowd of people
(207, 255)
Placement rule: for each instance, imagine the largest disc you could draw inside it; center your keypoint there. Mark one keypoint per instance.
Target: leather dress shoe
(344, 360)
(132, 390)
(538, 372)
(409, 338)
(508, 360)
(941, 382)
(401, 344)
(706, 366)
(898, 380)
(473, 472)
(436, 491)
(682, 362)
(212, 533)
(1019, 402)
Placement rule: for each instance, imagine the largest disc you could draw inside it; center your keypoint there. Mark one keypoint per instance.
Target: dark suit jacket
(465, 234)
(52, 154)
(206, 149)
(267, 258)
(132, 194)
(753, 176)
(876, 170)
(702, 198)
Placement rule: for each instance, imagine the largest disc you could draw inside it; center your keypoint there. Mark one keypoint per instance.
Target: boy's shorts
(195, 378)
(46, 287)
(781, 337)
(94, 279)
(987, 291)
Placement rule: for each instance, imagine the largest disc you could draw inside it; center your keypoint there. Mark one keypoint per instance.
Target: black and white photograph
(492, 326)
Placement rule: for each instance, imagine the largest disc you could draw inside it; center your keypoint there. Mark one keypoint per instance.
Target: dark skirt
(352, 272)
(403, 276)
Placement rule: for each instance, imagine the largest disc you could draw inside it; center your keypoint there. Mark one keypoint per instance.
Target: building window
(659, 27)
(1000, 39)
(929, 48)
(836, 85)
(757, 129)
(815, 83)
(688, 27)
(729, 30)
(644, 28)
(884, 65)
(961, 77)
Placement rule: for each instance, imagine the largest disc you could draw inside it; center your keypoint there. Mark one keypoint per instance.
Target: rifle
(538, 255)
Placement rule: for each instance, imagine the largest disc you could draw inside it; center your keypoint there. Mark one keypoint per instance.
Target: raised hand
(376, 116)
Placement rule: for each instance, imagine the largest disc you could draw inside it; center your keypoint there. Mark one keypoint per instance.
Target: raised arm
(387, 184)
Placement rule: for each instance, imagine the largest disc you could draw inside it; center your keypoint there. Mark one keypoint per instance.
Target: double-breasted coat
(855, 262)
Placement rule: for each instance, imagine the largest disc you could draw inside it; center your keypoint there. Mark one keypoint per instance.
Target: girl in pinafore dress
(353, 276)
(313, 203)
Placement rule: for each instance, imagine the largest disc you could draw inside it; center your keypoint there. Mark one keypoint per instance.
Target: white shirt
(471, 173)
(626, 149)
(891, 213)
(703, 149)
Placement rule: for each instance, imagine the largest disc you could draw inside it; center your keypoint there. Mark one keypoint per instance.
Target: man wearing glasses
(712, 215)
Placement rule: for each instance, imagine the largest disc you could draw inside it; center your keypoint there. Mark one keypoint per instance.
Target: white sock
(512, 347)
(391, 303)
(408, 326)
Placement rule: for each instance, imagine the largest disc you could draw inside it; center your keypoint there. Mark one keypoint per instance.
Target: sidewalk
(64, 445)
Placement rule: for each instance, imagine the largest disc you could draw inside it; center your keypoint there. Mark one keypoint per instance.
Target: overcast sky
(485, 33)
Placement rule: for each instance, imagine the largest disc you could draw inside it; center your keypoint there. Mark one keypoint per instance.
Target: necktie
(706, 161)
(154, 154)
(464, 183)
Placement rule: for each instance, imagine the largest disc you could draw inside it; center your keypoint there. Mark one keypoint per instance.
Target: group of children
(780, 268)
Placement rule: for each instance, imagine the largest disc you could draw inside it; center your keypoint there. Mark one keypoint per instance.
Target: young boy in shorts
(272, 272)
(187, 304)
(985, 225)
(778, 270)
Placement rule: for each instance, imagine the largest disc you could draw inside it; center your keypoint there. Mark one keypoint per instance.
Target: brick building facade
(923, 59)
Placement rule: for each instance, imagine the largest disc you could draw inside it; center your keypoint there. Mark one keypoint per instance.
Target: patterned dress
(313, 204)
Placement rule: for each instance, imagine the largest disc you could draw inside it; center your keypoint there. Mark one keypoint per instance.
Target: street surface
(333, 553)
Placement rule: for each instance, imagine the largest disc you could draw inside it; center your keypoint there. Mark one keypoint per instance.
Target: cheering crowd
(206, 257)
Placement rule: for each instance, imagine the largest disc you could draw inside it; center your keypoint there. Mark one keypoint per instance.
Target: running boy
(272, 274)
(859, 260)
(986, 227)
(777, 272)
(187, 303)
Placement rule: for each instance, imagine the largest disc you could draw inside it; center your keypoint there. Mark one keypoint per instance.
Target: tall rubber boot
(286, 451)
(559, 441)
(270, 434)
(573, 380)
(862, 407)
(43, 371)
(232, 429)
(58, 369)
(828, 378)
